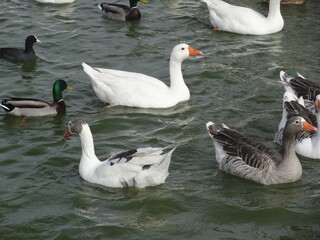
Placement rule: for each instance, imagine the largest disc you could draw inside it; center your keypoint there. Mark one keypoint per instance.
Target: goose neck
(288, 149)
(274, 9)
(176, 77)
(88, 153)
(289, 157)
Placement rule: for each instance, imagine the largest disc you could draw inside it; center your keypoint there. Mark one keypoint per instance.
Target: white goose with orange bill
(307, 144)
(132, 89)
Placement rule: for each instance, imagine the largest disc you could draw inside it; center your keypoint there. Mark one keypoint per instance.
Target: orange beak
(194, 52)
(67, 133)
(308, 127)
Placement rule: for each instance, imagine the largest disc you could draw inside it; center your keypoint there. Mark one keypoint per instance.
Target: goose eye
(182, 48)
(296, 122)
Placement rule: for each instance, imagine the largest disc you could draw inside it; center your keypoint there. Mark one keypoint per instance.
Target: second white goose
(242, 20)
(141, 167)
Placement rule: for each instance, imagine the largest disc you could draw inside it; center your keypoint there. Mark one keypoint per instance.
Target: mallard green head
(58, 87)
(133, 3)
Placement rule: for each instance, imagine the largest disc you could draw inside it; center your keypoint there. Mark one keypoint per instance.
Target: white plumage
(242, 20)
(139, 90)
(141, 167)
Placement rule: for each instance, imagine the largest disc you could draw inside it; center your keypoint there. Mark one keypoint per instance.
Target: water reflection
(29, 66)
(142, 209)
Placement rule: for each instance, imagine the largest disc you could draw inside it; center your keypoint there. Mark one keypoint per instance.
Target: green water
(236, 82)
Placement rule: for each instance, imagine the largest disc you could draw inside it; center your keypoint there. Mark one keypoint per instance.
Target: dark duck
(20, 55)
(122, 12)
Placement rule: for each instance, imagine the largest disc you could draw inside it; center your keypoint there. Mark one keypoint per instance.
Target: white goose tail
(90, 71)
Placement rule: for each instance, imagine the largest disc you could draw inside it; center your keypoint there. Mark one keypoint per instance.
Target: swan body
(243, 157)
(122, 12)
(31, 107)
(141, 167)
(20, 55)
(139, 90)
(242, 20)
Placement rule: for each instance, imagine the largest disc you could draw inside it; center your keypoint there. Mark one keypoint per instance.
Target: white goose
(307, 145)
(236, 19)
(243, 157)
(138, 90)
(141, 167)
(310, 147)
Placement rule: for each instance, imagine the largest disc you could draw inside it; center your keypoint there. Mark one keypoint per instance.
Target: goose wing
(301, 86)
(126, 165)
(233, 14)
(252, 153)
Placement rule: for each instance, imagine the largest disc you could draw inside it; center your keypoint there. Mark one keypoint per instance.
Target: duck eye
(182, 48)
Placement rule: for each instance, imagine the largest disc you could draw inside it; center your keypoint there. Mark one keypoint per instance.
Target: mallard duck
(20, 55)
(55, 1)
(30, 107)
(138, 90)
(243, 157)
(140, 167)
(236, 19)
(122, 12)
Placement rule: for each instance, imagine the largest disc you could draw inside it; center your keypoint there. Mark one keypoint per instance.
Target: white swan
(138, 90)
(141, 167)
(236, 19)
(238, 155)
